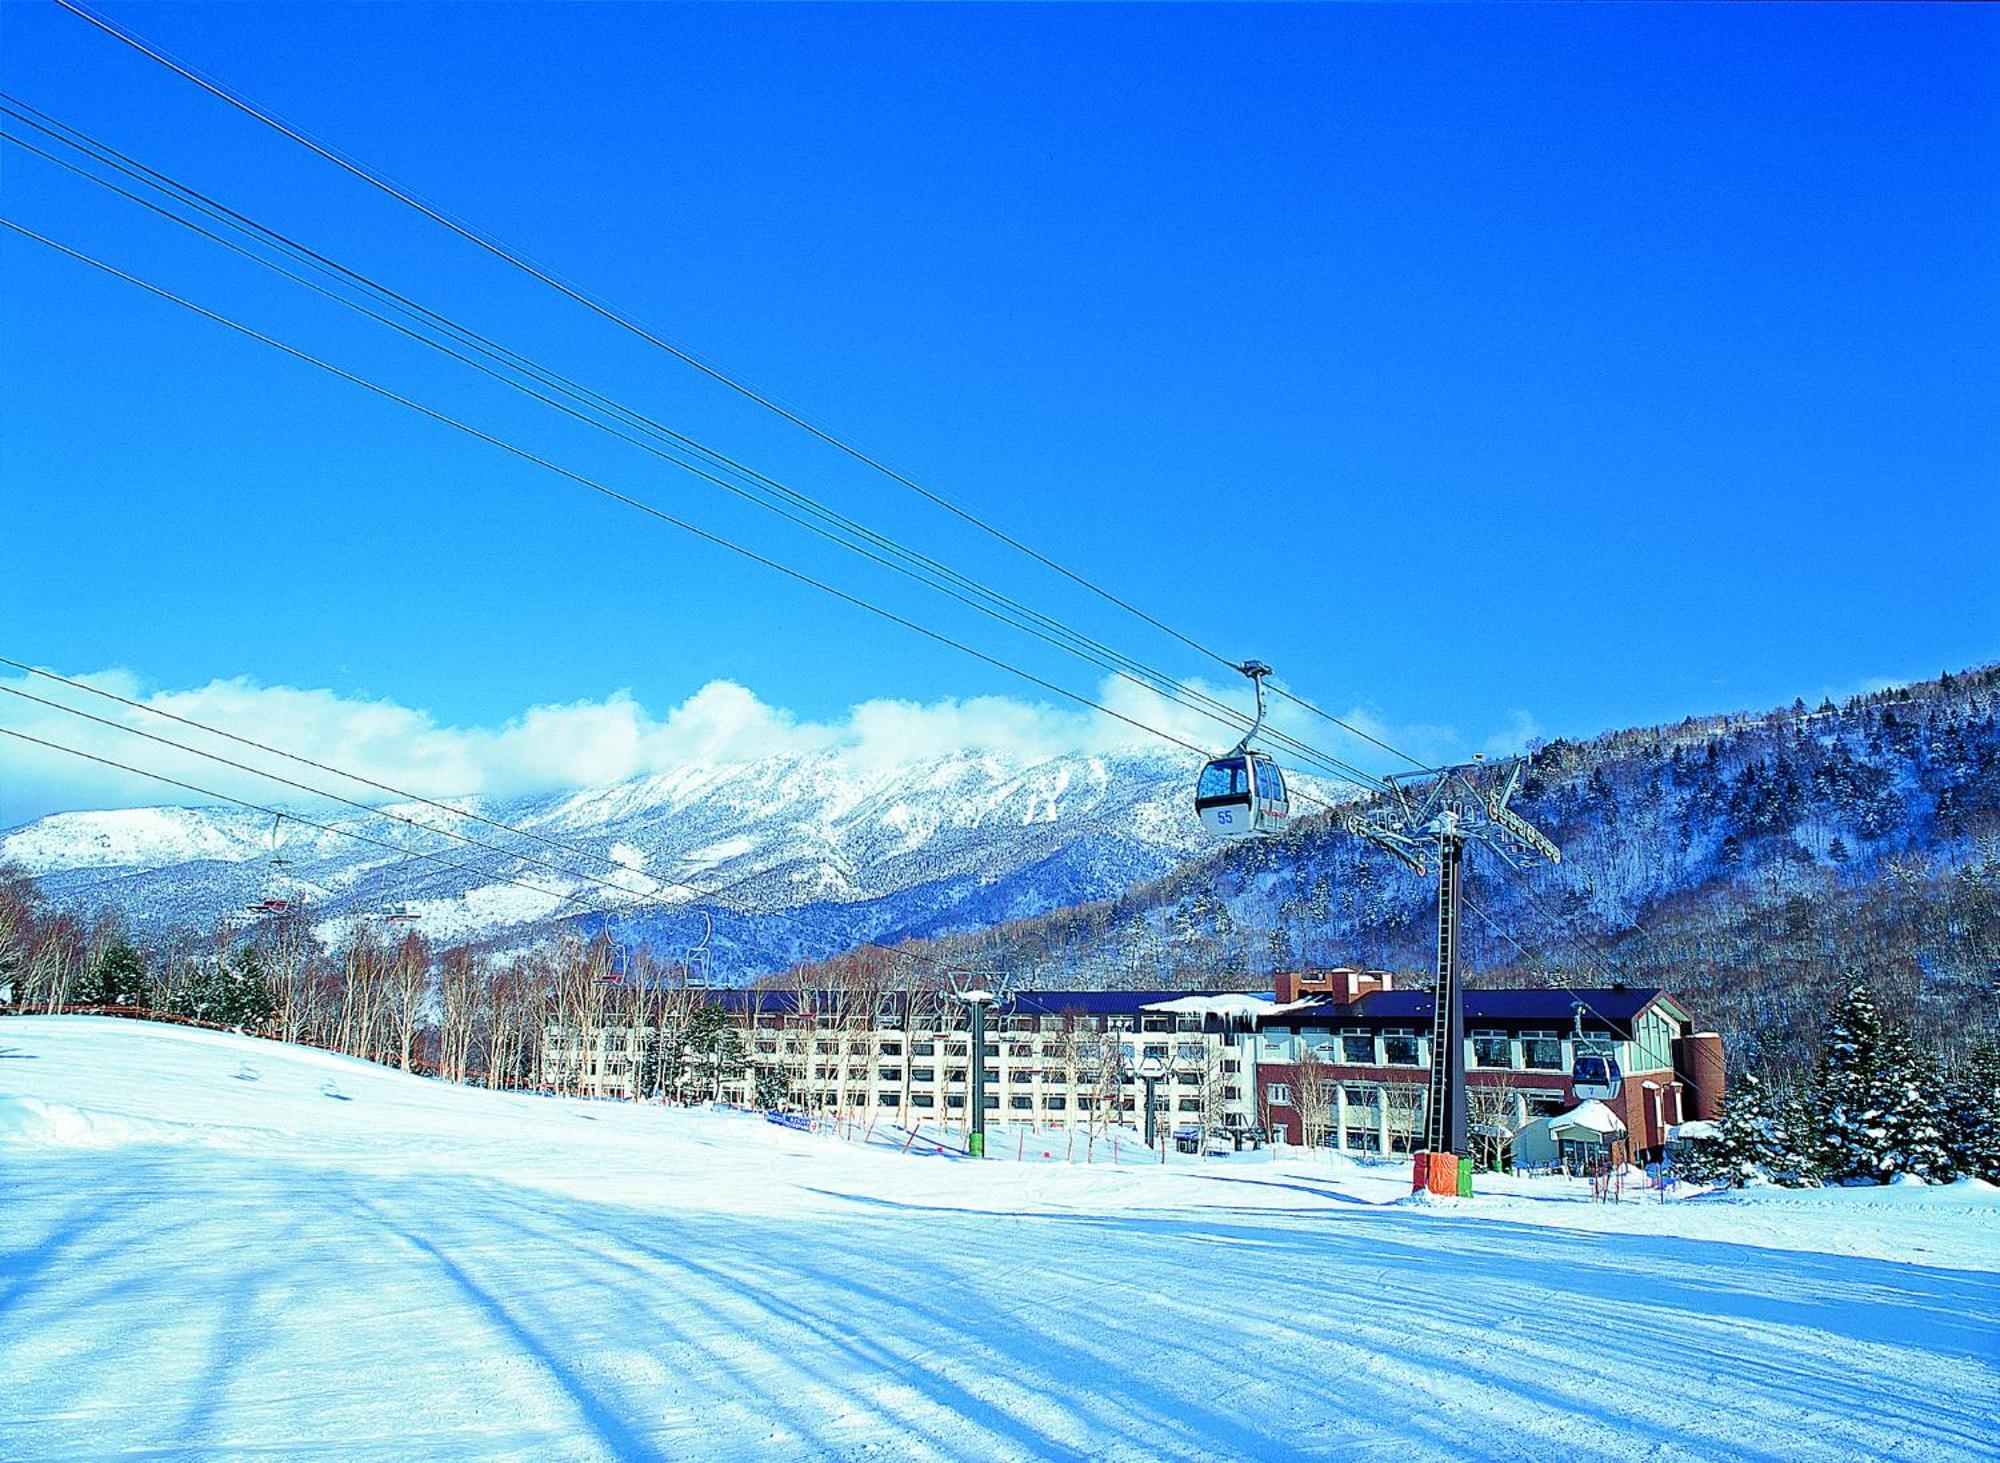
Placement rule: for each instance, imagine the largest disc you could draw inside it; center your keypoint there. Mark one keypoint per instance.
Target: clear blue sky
(1609, 363)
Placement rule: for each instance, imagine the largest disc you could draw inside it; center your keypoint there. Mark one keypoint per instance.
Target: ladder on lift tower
(1438, 1094)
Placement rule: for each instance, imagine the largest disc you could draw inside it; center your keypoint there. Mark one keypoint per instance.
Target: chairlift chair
(271, 901)
(1241, 794)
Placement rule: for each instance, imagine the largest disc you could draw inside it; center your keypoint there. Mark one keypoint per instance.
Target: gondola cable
(1148, 679)
(521, 262)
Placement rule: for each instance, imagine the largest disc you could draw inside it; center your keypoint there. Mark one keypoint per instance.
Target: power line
(317, 792)
(711, 896)
(593, 485)
(408, 856)
(1095, 652)
(733, 382)
(208, 792)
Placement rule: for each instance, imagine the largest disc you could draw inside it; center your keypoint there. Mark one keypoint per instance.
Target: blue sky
(1479, 367)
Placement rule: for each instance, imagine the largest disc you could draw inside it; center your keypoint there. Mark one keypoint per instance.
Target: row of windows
(959, 1076)
(1051, 1102)
(1532, 1051)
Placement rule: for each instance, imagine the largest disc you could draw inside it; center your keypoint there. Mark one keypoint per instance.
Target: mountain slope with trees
(1754, 864)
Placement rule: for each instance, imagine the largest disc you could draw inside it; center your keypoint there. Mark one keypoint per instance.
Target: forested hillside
(1754, 864)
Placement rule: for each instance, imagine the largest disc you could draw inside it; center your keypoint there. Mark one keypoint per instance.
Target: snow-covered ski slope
(212, 1246)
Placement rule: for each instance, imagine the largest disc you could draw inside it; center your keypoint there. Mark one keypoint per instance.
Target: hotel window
(923, 1074)
(891, 1074)
(1020, 1101)
(1190, 1104)
(957, 1099)
(1361, 1096)
(992, 1101)
(892, 1048)
(1230, 1065)
(1279, 1093)
(1086, 1101)
(1364, 1140)
(888, 1099)
(922, 1099)
(1357, 1047)
(1232, 1094)
(1492, 1049)
(1118, 1023)
(1399, 1048)
(1021, 1049)
(954, 1074)
(956, 1049)
(1159, 1051)
(1156, 1023)
(992, 1052)
(1541, 1051)
(1055, 1103)
(1193, 1050)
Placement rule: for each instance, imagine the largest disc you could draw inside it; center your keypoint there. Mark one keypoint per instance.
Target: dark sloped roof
(1545, 1004)
(1617, 1007)
(1024, 1003)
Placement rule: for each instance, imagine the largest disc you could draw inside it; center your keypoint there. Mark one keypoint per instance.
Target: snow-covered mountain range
(797, 856)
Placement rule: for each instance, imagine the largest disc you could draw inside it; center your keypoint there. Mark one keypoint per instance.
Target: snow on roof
(1234, 1005)
(1699, 1132)
(1591, 1116)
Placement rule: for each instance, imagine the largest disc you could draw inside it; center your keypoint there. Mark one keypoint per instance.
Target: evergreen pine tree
(1914, 1111)
(1792, 1157)
(1732, 1156)
(244, 998)
(1876, 1107)
(119, 977)
(1970, 1099)
(201, 994)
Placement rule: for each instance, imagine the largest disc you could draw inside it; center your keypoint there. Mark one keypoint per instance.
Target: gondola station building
(1334, 1057)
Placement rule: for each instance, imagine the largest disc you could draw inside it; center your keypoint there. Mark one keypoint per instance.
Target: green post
(976, 1144)
(1465, 1178)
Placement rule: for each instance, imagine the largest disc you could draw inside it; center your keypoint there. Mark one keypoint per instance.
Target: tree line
(384, 995)
(1876, 1108)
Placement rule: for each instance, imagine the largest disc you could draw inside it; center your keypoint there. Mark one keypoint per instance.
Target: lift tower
(1439, 812)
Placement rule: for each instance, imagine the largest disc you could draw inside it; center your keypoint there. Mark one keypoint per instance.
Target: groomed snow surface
(213, 1246)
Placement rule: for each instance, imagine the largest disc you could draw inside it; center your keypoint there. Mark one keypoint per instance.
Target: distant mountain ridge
(1755, 864)
(811, 854)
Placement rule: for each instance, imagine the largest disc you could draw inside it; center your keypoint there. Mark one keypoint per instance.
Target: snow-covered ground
(216, 1246)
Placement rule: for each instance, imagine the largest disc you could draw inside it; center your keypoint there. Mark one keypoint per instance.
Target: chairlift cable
(893, 950)
(734, 383)
(1148, 678)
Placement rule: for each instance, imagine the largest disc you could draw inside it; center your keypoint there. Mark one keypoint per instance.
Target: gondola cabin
(1241, 796)
(1596, 1074)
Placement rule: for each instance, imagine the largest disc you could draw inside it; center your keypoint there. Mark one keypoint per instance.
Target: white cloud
(1521, 729)
(583, 743)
